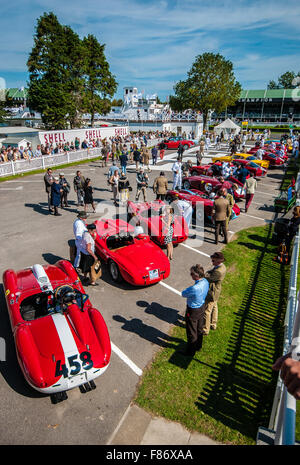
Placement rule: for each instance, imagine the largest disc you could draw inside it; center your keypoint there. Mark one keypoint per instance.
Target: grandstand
(266, 105)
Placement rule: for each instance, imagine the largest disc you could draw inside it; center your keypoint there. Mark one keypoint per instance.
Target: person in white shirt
(259, 154)
(183, 208)
(177, 174)
(88, 257)
(79, 228)
(138, 229)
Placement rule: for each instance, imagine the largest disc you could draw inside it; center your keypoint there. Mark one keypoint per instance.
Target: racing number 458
(74, 365)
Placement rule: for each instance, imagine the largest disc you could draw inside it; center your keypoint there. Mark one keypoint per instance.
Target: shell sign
(60, 137)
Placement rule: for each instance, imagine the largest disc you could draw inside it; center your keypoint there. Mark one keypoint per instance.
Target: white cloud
(158, 41)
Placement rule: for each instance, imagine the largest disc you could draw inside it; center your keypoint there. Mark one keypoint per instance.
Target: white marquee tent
(228, 127)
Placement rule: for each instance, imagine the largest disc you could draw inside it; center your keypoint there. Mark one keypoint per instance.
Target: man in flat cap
(215, 276)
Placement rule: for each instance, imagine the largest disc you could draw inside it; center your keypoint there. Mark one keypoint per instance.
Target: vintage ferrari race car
(61, 340)
(174, 142)
(194, 196)
(208, 184)
(136, 259)
(150, 216)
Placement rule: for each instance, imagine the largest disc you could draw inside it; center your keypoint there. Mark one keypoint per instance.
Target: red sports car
(61, 340)
(208, 184)
(273, 159)
(193, 196)
(149, 214)
(137, 260)
(277, 153)
(199, 170)
(174, 142)
(251, 166)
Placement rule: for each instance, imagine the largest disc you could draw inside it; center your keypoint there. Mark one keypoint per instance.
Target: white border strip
(126, 360)
(195, 250)
(256, 218)
(170, 288)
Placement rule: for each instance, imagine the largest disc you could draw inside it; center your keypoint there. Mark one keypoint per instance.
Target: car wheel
(114, 272)
(194, 173)
(186, 184)
(169, 198)
(186, 146)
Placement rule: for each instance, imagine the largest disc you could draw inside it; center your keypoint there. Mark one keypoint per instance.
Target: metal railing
(12, 168)
(22, 166)
(282, 423)
(283, 415)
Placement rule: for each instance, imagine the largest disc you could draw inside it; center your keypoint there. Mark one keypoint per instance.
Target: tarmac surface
(139, 319)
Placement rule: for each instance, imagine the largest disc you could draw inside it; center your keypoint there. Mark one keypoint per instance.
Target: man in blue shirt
(195, 310)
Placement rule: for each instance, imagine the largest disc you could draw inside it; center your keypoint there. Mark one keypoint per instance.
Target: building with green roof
(268, 105)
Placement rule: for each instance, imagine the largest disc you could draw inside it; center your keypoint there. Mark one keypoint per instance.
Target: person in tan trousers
(215, 276)
(221, 211)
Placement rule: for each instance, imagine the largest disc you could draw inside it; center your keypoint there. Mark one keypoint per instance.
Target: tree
(210, 85)
(99, 82)
(285, 81)
(117, 102)
(5, 102)
(272, 85)
(55, 67)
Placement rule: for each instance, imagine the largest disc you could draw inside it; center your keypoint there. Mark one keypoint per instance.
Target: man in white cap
(79, 228)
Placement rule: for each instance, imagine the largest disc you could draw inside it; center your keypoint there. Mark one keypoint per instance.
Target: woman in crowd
(56, 191)
(114, 181)
(168, 220)
(88, 195)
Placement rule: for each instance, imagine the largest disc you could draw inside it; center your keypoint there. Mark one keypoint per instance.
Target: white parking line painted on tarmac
(265, 193)
(11, 188)
(256, 218)
(170, 288)
(195, 250)
(126, 360)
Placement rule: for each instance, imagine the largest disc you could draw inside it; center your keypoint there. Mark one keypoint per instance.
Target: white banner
(60, 137)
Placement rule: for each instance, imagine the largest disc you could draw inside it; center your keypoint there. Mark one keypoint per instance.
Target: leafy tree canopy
(210, 85)
(287, 80)
(67, 76)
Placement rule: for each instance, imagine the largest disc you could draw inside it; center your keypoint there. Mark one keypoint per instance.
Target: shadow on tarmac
(167, 314)
(155, 336)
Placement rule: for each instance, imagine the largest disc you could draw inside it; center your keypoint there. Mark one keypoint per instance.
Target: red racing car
(174, 142)
(273, 159)
(193, 196)
(137, 260)
(208, 184)
(61, 340)
(149, 214)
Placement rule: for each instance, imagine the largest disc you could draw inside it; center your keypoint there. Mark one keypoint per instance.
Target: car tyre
(186, 185)
(186, 146)
(194, 173)
(114, 271)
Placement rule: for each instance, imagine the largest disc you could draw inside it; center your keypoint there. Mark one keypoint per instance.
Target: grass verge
(226, 391)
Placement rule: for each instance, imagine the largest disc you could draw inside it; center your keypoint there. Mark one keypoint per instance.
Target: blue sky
(152, 44)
